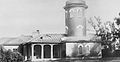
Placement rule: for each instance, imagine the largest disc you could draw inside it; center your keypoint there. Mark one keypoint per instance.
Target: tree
(109, 32)
(10, 56)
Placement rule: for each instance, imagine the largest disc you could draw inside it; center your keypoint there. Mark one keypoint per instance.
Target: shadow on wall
(85, 50)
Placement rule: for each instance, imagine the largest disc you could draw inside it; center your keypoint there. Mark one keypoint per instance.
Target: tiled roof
(25, 39)
(47, 38)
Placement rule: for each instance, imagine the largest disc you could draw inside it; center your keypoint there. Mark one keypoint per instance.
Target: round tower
(75, 18)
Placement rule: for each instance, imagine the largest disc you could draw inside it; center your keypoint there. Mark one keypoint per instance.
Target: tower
(77, 42)
(75, 18)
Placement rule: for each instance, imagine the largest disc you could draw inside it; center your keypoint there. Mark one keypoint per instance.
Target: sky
(22, 17)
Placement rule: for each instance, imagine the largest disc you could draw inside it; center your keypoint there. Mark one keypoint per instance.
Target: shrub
(9, 56)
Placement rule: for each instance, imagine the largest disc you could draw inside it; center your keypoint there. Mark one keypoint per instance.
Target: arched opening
(47, 51)
(56, 51)
(80, 49)
(87, 48)
(37, 51)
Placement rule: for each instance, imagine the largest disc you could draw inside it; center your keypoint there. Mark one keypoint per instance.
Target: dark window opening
(56, 51)
(80, 49)
(47, 51)
(37, 51)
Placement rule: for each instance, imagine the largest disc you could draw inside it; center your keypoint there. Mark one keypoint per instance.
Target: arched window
(66, 29)
(37, 51)
(87, 46)
(80, 48)
(56, 51)
(47, 51)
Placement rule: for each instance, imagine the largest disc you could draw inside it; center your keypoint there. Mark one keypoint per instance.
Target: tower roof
(75, 2)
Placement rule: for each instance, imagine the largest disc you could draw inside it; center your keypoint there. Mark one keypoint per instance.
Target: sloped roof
(14, 40)
(47, 38)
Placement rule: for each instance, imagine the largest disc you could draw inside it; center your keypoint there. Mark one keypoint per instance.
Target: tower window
(76, 12)
(66, 29)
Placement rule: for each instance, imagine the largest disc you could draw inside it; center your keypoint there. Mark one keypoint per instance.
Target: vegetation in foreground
(10, 56)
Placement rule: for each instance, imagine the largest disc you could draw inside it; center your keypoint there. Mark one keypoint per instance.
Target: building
(13, 42)
(74, 44)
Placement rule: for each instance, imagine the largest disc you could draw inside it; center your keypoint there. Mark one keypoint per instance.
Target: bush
(9, 56)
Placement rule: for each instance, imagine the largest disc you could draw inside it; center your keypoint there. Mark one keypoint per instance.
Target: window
(66, 29)
(37, 51)
(56, 51)
(80, 49)
(47, 51)
(87, 48)
(76, 12)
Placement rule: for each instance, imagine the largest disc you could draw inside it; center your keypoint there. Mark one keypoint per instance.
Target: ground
(110, 59)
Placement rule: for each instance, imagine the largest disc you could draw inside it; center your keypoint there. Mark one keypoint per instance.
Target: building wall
(83, 50)
(11, 47)
(54, 51)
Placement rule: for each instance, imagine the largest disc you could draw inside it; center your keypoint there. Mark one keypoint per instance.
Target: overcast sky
(19, 17)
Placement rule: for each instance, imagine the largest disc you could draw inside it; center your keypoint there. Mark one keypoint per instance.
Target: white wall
(10, 47)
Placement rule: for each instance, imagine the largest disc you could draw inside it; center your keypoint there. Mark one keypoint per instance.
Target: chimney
(36, 33)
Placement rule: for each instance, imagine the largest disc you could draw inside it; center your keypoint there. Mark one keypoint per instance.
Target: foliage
(9, 56)
(109, 33)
